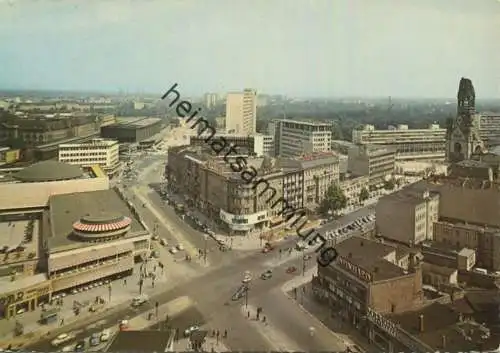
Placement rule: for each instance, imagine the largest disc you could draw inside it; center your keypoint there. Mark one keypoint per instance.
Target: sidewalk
(278, 340)
(211, 345)
(303, 295)
(122, 292)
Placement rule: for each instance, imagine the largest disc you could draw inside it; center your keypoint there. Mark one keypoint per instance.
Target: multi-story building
(297, 138)
(375, 161)
(352, 186)
(132, 130)
(210, 99)
(370, 279)
(102, 152)
(410, 144)
(241, 112)
(407, 216)
(489, 128)
(320, 171)
(485, 240)
(256, 144)
(209, 183)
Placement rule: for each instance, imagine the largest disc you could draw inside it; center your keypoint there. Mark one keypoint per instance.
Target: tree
(389, 184)
(364, 194)
(334, 200)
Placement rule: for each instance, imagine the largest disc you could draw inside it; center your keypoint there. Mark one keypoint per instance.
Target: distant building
(132, 131)
(257, 145)
(377, 162)
(241, 112)
(407, 216)
(102, 152)
(489, 128)
(210, 100)
(297, 138)
(409, 144)
(9, 155)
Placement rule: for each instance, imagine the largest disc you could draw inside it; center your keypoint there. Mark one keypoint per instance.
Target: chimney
(443, 341)
(421, 323)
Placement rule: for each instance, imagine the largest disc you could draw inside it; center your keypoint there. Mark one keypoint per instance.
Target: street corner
(298, 281)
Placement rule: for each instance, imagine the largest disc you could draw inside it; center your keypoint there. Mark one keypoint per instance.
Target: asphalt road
(215, 286)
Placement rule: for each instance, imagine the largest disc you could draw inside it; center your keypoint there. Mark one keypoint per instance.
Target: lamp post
(205, 248)
(110, 290)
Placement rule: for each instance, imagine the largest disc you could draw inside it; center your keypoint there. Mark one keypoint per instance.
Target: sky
(300, 48)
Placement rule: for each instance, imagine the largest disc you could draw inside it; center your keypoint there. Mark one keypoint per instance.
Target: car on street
(180, 247)
(163, 242)
(140, 300)
(247, 278)
(105, 335)
(190, 330)
(266, 275)
(173, 250)
(291, 269)
(60, 339)
(80, 346)
(95, 339)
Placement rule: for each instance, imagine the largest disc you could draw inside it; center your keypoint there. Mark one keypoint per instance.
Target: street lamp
(110, 289)
(205, 249)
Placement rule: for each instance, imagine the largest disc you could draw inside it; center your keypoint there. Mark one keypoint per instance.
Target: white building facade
(102, 152)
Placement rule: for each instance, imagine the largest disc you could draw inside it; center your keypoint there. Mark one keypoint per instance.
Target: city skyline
(89, 47)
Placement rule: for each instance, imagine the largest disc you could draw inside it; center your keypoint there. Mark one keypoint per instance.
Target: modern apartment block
(257, 145)
(102, 152)
(407, 216)
(489, 128)
(410, 144)
(377, 162)
(210, 100)
(297, 138)
(241, 112)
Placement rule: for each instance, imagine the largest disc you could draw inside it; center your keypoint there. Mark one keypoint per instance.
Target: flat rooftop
(409, 195)
(135, 123)
(139, 341)
(370, 255)
(68, 208)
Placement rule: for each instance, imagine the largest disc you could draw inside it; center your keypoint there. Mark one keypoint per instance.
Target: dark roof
(139, 341)
(49, 171)
(66, 209)
(443, 320)
(369, 255)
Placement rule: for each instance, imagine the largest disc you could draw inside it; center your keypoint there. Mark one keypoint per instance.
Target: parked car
(105, 335)
(291, 269)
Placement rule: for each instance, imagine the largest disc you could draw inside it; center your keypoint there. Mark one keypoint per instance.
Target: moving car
(173, 250)
(139, 300)
(180, 247)
(190, 330)
(60, 339)
(291, 269)
(163, 242)
(266, 275)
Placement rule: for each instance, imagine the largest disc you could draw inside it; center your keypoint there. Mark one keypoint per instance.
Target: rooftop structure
(49, 171)
(89, 214)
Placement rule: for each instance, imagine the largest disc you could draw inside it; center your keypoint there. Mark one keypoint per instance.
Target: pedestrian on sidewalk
(125, 282)
(225, 333)
(248, 314)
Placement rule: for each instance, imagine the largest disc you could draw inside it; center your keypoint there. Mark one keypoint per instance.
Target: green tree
(389, 184)
(364, 195)
(334, 200)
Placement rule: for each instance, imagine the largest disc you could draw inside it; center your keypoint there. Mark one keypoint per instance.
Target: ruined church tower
(464, 141)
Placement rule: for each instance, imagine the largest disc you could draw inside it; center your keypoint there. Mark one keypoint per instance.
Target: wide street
(211, 287)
